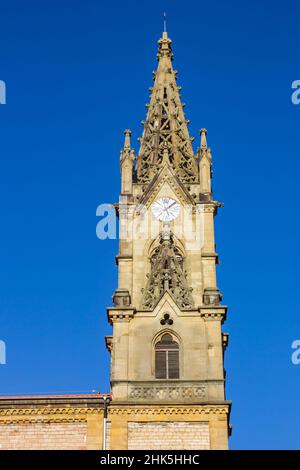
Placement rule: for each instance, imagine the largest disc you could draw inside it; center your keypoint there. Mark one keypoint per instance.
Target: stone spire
(165, 126)
(126, 163)
(205, 165)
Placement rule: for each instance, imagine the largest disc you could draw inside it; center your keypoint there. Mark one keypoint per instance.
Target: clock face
(165, 209)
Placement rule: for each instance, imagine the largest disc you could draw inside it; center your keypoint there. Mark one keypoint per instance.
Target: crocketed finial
(203, 142)
(127, 134)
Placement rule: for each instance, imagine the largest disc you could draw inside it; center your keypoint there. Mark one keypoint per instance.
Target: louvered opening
(160, 364)
(167, 358)
(173, 364)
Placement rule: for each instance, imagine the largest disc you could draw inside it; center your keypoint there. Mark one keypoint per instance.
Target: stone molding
(205, 254)
(213, 313)
(166, 176)
(174, 410)
(109, 343)
(210, 207)
(117, 313)
(46, 415)
(123, 257)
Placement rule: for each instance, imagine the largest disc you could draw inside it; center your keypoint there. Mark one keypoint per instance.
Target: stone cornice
(120, 313)
(46, 415)
(169, 381)
(207, 409)
(41, 415)
(123, 257)
(209, 206)
(213, 313)
(215, 256)
(209, 255)
(52, 401)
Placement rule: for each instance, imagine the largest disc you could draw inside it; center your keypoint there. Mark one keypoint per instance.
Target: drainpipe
(106, 401)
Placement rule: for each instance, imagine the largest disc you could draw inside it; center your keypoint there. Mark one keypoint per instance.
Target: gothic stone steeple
(165, 126)
(167, 347)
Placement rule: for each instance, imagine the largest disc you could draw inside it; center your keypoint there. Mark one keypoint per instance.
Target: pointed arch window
(167, 358)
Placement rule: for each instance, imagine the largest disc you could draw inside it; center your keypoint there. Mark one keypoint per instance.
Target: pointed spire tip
(165, 23)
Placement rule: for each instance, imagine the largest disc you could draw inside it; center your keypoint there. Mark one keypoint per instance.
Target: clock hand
(168, 214)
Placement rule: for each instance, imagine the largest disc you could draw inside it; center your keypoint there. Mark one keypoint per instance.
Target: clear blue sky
(77, 74)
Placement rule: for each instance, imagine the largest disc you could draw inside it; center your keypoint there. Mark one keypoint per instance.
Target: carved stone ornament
(175, 392)
(166, 320)
(121, 297)
(212, 296)
(167, 274)
(166, 137)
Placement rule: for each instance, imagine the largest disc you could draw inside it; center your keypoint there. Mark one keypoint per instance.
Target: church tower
(167, 347)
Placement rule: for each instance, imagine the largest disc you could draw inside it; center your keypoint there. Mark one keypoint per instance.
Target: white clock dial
(166, 209)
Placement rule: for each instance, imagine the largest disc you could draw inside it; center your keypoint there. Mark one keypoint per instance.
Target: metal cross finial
(165, 22)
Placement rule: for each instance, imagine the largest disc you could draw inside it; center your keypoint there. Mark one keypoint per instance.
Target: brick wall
(168, 435)
(43, 436)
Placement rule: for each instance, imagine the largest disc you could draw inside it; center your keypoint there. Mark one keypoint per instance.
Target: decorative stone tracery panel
(180, 393)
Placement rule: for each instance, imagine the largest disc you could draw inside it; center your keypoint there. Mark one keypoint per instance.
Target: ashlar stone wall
(44, 436)
(168, 435)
